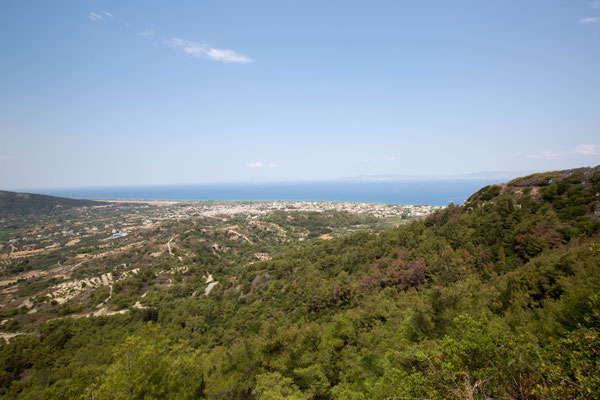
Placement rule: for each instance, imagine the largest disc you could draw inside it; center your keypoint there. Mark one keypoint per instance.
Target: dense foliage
(494, 299)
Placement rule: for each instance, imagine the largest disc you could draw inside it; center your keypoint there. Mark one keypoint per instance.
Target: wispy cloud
(4, 157)
(255, 164)
(260, 164)
(99, 16)
(589, 20)
(94, 17)
(594, 4)
(199, 50)
(147, 33)
(588, 149)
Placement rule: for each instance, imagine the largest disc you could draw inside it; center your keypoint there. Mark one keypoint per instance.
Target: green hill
(498, 298)
(17, 205)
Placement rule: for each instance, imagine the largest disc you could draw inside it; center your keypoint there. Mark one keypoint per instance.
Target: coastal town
(258, 208)
(119, 217)
(76, 261)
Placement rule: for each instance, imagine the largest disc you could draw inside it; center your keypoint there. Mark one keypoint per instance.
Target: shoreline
(225, 202)
(396, 193)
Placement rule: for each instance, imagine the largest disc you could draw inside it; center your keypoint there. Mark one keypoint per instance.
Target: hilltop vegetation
(19, 205)
(498, 298)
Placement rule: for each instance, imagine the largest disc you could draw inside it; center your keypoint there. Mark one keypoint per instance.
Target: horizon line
(366, 178)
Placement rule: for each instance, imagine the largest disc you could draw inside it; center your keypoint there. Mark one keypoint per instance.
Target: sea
(436, 193)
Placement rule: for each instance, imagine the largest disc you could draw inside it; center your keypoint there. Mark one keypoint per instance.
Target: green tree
(274, 386)
(572, 367)
(151, 367)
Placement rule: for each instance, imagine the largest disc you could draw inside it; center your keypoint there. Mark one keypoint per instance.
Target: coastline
(438, 193)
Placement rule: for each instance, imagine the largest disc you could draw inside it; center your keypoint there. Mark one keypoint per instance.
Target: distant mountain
(24, 204)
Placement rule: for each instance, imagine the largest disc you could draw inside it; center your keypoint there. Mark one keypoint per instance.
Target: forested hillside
(18, 205)
(498, 298)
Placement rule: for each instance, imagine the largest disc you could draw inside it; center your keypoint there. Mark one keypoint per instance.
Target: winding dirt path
(240, 235)
(169, 245)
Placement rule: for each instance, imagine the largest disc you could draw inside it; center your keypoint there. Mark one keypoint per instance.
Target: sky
(103, 93)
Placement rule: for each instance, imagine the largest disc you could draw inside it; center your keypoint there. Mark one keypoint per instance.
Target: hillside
(17, 205)
(497, 298)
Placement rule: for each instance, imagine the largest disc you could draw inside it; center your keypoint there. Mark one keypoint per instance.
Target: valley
(66, 265)
(496, 298)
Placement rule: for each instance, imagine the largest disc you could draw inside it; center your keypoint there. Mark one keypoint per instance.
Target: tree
(151, 367)
(274, 386)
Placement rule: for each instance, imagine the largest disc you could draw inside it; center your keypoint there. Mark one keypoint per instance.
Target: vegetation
(20, 205)
(494, 299)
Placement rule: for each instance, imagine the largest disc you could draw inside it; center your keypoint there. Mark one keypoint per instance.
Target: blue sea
(438, 193)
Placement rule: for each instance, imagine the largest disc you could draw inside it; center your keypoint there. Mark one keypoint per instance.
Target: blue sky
(144, 92)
